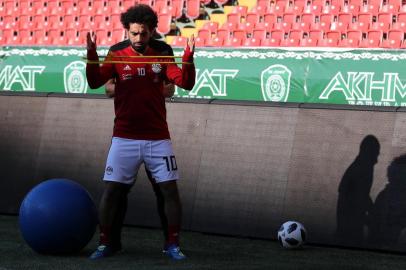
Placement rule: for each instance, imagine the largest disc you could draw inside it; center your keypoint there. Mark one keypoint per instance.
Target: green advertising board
(332, 76)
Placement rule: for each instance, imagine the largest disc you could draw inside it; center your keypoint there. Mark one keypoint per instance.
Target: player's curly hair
(141, 14)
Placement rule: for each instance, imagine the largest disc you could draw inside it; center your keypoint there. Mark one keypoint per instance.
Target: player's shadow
(388, 214)
(354, 201)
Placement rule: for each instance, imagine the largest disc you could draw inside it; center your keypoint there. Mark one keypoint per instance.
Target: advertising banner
(329, 76)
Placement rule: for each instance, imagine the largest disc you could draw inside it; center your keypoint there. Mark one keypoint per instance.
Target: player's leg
(160, 206)
(161, 162)
(122, 164)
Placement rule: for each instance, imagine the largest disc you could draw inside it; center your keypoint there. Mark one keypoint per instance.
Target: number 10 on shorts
(170, 163)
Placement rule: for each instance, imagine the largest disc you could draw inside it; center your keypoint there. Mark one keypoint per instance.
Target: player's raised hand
(191, 43)
(91, 43)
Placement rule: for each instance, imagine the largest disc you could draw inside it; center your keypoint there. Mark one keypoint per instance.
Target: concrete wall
(244, 169)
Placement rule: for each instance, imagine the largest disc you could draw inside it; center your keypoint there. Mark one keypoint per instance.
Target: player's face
(139, 35)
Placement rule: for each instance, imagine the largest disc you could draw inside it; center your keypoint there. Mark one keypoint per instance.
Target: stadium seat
(233, 42)
(290, 42)
(159, 5)
(354, 35)
(295, 34)
(177, 8)
(303, 26)
(316, 34)
(54, 37)
(212, 27)
(204, 34)
(240, 35)
(399, 26)
(327, 42)
(308, 42)
(68, 22)
(215, 42)
(230, 26)
(24, 36)
(330, 9)
(270, 42)
(127, 4)
(53, 21)
(385, 17)
(348, 43)
(38, 21)
(192, 9)
(200, 42)
(259, 34)
(24, 22)
(269, 18)
(308, 18)
(252, 18)
(224, 34)
(401, 17)
(394, 39)
(277, 34)
(289, 18)
(84, 21)
(242, 10)
(252, 42)
(359, 26)
(103, 37)
(260, 10)
(117, 35)
(339, 26)
(283, 26)
(371, 8)
(374, 38)
(234, 18)
(390, 8)
(164, 23)
(99, 21)
(263, 3)
(382, 26)
(246, 26)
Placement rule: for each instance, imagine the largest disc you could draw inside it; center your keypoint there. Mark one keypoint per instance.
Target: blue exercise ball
(58, 216)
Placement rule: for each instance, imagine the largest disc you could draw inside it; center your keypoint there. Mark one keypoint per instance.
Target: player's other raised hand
(191, 43)
(91, 42)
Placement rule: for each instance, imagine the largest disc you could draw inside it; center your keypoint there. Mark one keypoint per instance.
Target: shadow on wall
(354, 202)
(388, 215)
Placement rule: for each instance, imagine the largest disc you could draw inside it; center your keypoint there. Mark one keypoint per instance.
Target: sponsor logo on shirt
(156, 68)
(125, 77)
(127, 67)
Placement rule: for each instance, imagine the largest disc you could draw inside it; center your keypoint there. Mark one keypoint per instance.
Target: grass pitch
(142, 250)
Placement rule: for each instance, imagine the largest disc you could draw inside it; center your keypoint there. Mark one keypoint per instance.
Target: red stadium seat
(327, 42)
(252, 18)
(390, 9)
(234, 18)
(24, 36)
(240, 35)
(263, 3)
(327, 18)
(401, 17)
(38, 21)
(339, 26)
(359, 26)
(204, 34)
(246, 26)
(335, 35)
(215, 42)
(277, 34)
(230, 26)
(289, 17)
(290, 42)
(177, 8)
(303, 26)
(315, 34)
(192, 9)
(283, 26)
(382, 26)
(224, 33)
(270, 42)
(54, 37)
(159, 5)
(385, 17)
(349, 43)
(260, 10)
(233, 42)
(308, 18)
(259, 34)
(252, 42)
(295, 34)
(212, 27)
(399, 26)
(200, 42)
(99, 21)
(69, 22)
(102, 37)
(308, 42)
(242, 10)
(54, 21)
(269, 18)
(117, 35)
(84, 21)
(164, 23)
(24, 22)
(354, 35)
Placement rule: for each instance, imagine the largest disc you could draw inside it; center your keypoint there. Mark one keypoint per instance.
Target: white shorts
(126, 156)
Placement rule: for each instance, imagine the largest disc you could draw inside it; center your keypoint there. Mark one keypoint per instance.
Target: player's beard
(140, 48)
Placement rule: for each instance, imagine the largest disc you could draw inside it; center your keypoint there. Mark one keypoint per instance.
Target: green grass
(142, 250)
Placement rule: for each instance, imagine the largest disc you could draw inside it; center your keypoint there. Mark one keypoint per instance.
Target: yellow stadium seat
(219, 18)
(228, 9)
(249, 3)
(199, 24)
(188, 32)
(169, 39)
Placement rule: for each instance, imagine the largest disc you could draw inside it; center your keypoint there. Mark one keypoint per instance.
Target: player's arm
(184, 77)
(96, 75)
(110, 88)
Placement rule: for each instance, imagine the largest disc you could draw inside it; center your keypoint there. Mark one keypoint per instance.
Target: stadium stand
(343, 23)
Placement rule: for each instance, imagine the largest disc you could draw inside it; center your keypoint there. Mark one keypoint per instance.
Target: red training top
(139, 101)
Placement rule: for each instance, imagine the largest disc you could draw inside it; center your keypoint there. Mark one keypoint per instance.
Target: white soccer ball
(292, 234)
